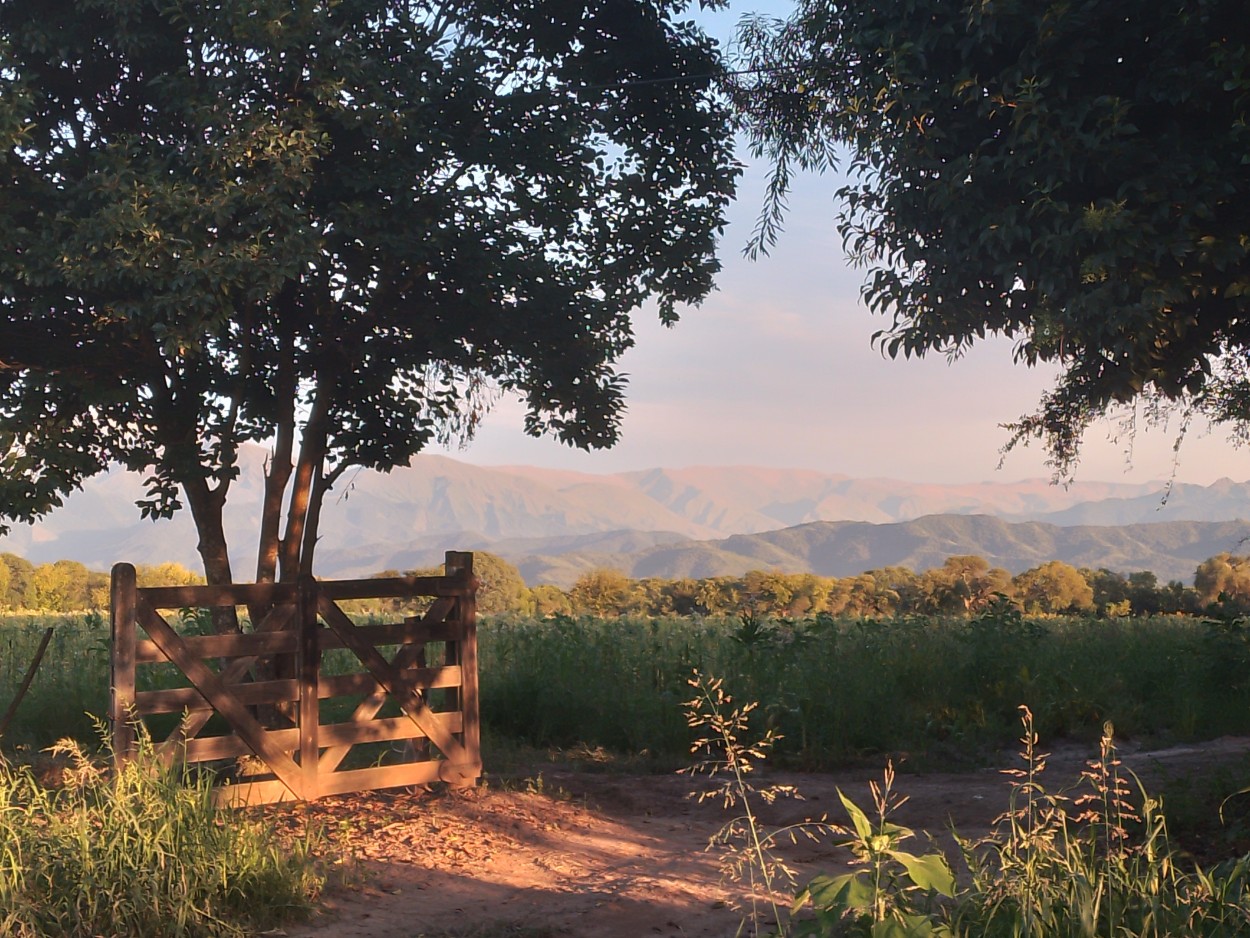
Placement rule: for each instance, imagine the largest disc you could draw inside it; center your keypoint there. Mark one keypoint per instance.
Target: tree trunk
(312, 452)
(277, 477)
(206, 508)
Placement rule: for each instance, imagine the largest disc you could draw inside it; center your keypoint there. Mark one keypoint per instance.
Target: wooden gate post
(460, 563)
(122, 661)
(309, 668)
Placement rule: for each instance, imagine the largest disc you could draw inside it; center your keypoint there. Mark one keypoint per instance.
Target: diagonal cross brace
(277, 620)
(404, 658)
(213, 689)
(392, 681)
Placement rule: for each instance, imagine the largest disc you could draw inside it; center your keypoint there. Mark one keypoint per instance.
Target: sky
(777, 368)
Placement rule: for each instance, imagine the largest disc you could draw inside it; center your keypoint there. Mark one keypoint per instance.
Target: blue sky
(777, 369)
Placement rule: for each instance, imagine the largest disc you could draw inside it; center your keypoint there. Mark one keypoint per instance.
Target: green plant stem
(761, 861)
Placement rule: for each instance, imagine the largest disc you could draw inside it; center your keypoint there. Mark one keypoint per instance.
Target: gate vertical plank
(419, 749)
(461, 564)
(122, 660)
(309, 707)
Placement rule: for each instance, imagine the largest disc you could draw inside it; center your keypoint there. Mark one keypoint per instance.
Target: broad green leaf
(907, 926)
(858, 818)
(836, 893)
(928, 872)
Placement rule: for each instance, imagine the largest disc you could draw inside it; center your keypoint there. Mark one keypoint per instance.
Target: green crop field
(943, 690)
(71, 685)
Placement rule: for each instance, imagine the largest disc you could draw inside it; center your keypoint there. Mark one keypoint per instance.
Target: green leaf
(417, 214)
(930, 872)
(848, 891)
(858, 818)
(1011, 160)
(907, 926)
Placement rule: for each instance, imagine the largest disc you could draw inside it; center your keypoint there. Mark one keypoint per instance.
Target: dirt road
(615, 856)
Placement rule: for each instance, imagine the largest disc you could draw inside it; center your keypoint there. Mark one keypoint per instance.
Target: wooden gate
(304, 702)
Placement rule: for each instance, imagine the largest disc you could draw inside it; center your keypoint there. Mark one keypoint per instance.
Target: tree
(870, 594)
(720, 595)
(20, 572)
(1068, 174)
(768, 591)
(62, 586)
(1110, 591)
(601, 593)
(678, 597)
(1145, 593)
(335, 228)
(1054, 587)
(502, 587)
(1224, 576)
(550, 600)
(965, 583)
(166, 574)
(811, 595)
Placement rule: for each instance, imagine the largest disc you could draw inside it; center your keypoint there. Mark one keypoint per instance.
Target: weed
(893, 893)
(748, 854)
(1108, 869)
(1093, 863)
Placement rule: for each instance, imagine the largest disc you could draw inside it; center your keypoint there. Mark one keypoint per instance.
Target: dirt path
(611, 856)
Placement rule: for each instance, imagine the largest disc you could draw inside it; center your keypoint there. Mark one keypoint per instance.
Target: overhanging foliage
(338, 225)
(1069, 174)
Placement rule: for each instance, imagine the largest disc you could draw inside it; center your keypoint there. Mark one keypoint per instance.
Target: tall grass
(142, 853)
(1095, 861)
(942, 690)
(71, 684)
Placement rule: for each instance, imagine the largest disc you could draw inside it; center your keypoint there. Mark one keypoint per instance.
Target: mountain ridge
(663, 522)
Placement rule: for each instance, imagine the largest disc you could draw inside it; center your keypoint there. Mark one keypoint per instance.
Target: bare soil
(606, 855)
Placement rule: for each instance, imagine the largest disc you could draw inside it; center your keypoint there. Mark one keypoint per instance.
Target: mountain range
(698, 521)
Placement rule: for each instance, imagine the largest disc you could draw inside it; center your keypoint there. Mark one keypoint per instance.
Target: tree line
(963, 585)
(69, 586)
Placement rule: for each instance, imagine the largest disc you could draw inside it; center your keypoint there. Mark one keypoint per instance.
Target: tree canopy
(335, 228)
(1068, 173)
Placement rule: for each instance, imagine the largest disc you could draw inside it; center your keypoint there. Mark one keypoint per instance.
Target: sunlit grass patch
(141, 853)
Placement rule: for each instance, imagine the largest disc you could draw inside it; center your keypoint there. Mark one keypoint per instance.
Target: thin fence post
(309, 677)
(122, 602)
(460, 564)
(26, 682)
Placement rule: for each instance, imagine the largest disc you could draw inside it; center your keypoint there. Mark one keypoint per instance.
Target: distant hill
(1220, 501)
(1171, 549)
(697, 521)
